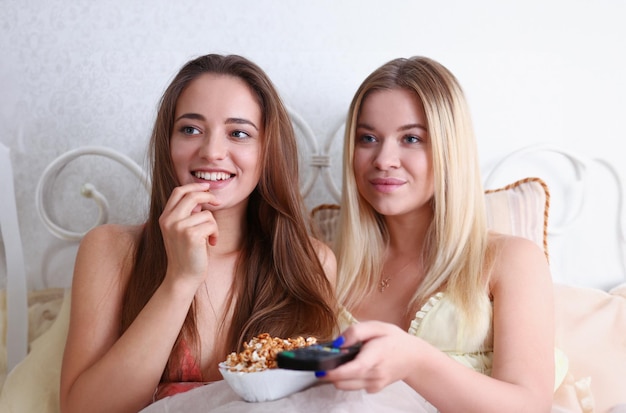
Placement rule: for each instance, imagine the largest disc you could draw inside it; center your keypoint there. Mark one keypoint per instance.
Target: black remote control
(316, 357)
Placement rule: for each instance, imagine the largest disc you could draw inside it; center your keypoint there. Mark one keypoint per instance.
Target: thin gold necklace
(386, 281)
(383, 284)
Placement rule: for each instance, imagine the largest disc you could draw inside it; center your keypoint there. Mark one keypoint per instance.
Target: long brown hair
(280, 286)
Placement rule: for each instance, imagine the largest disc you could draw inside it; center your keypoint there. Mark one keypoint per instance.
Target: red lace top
(190, 377)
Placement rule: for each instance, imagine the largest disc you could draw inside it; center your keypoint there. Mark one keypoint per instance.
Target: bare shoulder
(101, 272)
(511, 244)
(111, 240)
(518, 258)
(124, 234)
(106, 249)
(327, 257)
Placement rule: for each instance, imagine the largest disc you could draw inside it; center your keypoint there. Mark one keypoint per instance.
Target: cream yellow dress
(439, 324)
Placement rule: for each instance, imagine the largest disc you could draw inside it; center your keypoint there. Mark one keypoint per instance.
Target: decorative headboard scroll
(88, 190)
(319, 162)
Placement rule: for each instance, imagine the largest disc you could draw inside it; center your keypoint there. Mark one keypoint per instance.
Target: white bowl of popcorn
(266, 385)
(253, 374)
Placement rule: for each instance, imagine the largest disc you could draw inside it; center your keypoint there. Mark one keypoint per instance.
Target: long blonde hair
(456, 246)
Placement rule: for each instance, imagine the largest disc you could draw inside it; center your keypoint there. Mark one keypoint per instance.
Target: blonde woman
(462, 315)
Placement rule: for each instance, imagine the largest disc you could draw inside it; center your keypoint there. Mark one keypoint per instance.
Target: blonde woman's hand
(188, 230)
(385, 357)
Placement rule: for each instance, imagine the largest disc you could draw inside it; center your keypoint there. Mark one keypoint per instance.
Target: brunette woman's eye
(240, 134)
(189, 130)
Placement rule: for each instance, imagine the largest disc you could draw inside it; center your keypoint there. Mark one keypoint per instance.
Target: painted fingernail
(319, 374)
(338, 342)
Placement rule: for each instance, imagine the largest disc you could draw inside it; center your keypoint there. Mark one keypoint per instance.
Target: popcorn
(260, 352)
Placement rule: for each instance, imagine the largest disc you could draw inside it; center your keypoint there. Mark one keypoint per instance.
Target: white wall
(82, 72)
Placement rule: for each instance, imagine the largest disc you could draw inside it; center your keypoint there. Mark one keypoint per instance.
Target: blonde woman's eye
(412, 139)
(189, 130)
(366, 139)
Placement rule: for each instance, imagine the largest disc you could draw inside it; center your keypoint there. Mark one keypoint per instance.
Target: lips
(387, 185)
(387, 181)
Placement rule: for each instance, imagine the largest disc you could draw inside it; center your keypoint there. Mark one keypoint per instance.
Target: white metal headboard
(319, 160)
(581, 166)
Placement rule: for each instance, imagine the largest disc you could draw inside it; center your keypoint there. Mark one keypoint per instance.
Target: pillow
(43, 307)
(590, 329)
(33, 385)
(520, 208)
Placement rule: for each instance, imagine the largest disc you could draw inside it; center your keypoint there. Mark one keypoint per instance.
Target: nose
(214, 147)
(388, 155)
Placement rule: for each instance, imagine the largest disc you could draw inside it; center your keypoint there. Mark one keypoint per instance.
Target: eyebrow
(197, 116)
(401, 128)
(242, 121)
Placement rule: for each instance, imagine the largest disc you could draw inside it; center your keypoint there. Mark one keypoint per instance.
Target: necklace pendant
(383, 284)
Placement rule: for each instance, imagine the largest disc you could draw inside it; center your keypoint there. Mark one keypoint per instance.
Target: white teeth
(212, 176)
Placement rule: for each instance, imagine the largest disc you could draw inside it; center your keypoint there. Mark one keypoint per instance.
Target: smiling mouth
(213, 176)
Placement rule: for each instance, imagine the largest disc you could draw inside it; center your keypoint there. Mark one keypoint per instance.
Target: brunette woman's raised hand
(188, 229)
